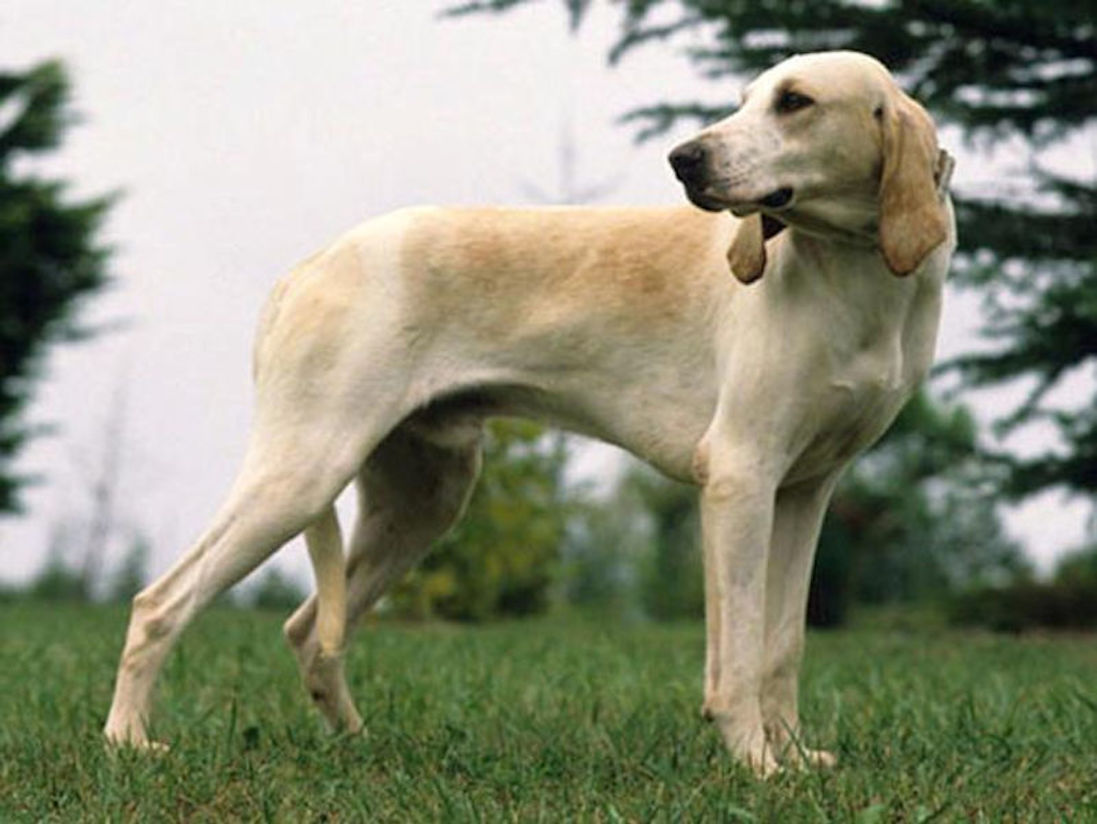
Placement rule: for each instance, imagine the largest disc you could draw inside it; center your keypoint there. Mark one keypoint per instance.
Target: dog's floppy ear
(747, 253)
(913, 221)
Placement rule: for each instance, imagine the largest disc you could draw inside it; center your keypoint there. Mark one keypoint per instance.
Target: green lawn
(548, 720)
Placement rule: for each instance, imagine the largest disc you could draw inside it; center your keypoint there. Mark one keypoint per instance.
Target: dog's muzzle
(691, 164)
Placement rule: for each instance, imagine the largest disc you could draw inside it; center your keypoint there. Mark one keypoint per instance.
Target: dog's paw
(139, 744)
(794, 755)
(126, 731)
(749, 747)
(764, 765)
(785, 740)
(819, 758)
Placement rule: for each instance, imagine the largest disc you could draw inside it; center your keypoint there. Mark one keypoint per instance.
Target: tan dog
(379, 358)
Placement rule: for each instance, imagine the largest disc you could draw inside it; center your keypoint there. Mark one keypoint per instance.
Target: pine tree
(50, 257)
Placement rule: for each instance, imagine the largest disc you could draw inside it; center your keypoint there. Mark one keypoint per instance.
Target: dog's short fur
(379, 358)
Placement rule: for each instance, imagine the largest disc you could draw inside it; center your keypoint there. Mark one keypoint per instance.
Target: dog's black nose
(689, 161)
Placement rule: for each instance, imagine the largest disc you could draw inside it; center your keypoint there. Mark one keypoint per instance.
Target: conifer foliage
(50, 256)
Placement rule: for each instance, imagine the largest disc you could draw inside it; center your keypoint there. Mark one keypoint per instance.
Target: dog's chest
(853, 399)
(851, 351)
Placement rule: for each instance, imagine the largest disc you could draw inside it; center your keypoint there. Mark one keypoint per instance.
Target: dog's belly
(660, 423)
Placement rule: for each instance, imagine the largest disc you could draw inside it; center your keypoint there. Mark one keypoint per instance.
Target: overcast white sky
(247, 134)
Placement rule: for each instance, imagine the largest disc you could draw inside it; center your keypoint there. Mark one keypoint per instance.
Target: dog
(753, 344)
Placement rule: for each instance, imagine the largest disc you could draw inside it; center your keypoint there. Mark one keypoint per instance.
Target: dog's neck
(851, 221)
(848, 223)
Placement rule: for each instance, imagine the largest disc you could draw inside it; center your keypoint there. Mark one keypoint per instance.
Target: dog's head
(827, 143)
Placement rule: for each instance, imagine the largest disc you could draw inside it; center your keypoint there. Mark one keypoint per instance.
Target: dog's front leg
(798, 518)
(737, 500)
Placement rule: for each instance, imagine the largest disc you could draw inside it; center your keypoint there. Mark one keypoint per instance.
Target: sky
(244, 136)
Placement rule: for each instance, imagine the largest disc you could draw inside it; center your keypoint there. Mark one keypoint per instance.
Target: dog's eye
(790, 102)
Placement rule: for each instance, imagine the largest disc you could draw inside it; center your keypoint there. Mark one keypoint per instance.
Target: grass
(549, 720)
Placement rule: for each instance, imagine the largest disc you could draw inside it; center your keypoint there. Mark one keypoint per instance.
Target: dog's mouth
(777, 200)
(705, 201)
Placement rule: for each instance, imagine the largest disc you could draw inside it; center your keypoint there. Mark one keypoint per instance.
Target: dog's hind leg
(413, 488)
(286, 484)
(323, 678)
